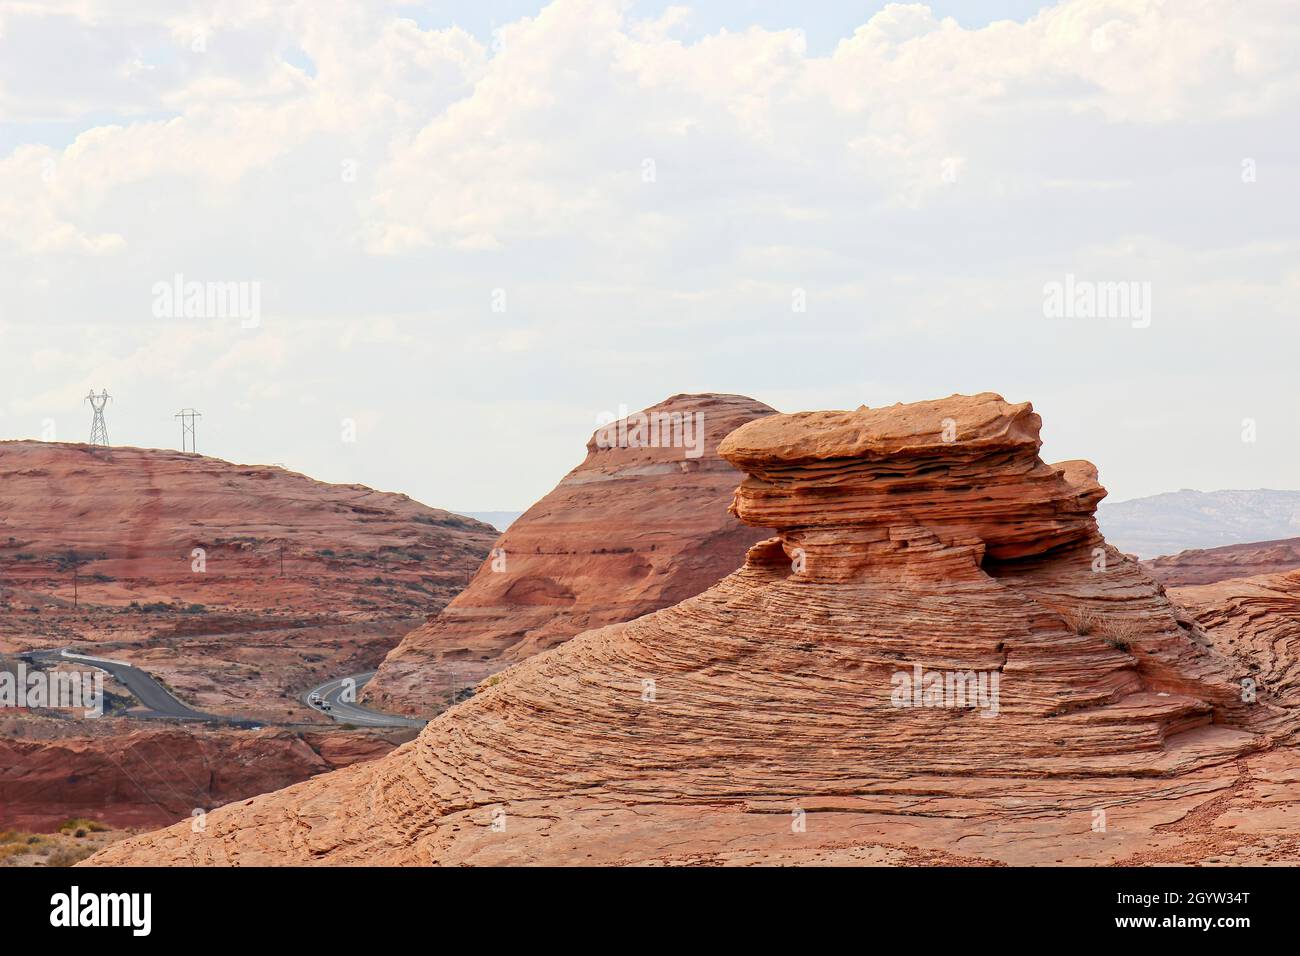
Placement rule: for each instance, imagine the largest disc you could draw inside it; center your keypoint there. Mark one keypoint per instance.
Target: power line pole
(187, 416)
(98, 428)
(76, 560)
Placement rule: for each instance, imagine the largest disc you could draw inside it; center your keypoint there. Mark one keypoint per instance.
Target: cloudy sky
(473, 227)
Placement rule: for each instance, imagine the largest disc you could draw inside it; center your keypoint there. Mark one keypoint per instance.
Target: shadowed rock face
(803, 710)
(153, 776)
(640, 525)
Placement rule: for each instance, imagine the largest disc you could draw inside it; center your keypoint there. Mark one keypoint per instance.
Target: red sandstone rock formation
(1256, 622)
(134, 516)
(1220, 564)
(770, 718)
(150, 776)
(234, 638)
(641, 524)
(1246, 597)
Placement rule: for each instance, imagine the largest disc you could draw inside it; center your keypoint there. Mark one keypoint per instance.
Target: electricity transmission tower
(98, 430)
(187, 416)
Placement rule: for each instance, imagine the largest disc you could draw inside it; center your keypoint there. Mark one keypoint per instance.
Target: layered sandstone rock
(270, 539)
(237, 586)
(1220, 564)
(640, 525)
(150, 776)
(935, 659)
(1255, 621)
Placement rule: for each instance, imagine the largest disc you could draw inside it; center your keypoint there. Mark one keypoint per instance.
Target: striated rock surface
(1256, 622)
(641, 524)
(1220, 564)
(935, 658)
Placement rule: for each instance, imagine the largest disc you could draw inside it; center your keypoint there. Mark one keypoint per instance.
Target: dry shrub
(1120, 633)
(1081, 620)
(68, 855)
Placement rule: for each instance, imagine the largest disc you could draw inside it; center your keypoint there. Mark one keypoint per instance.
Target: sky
(434, 244)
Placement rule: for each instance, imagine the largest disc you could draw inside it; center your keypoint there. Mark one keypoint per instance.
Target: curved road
(161, 703)
(158, 699)
(350, 712)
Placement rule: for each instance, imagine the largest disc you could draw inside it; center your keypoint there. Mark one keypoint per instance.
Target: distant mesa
(805, 709)
(639, 525)
(1175, 521)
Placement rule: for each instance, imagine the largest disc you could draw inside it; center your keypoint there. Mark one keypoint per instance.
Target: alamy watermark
(179, 299)
(75, 908)
(976, 690)
(654, 429)
(53, 690)
(1085, 299)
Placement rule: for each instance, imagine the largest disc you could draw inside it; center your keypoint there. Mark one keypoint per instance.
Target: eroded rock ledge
(961, 471)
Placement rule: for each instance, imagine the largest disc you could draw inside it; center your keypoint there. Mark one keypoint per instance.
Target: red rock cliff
(641, 524)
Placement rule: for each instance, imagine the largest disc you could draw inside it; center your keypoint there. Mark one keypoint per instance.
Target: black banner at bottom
(334, 906)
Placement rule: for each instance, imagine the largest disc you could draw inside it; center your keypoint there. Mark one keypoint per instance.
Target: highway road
(157, 699)
(161, 703)
(349, 712)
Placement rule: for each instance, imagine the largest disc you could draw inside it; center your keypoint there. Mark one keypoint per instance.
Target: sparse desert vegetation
(72, 841)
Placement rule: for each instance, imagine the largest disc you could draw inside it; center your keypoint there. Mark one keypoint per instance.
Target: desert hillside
(640, 524)
(934, 657)
(132, 518)
(236, 587)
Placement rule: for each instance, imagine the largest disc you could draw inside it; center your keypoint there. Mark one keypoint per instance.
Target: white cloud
(649, 205)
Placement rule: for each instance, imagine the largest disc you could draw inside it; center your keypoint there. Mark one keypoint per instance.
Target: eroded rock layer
(1256, 622)
(1219, 564)
(935, 659)
(640, 525)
